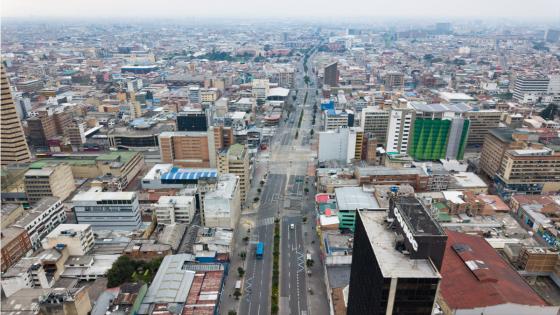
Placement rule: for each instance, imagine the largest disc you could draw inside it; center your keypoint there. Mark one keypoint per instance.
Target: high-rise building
(399, 131)
(56, 180)
(334, 118)
(106, 210)
(13, 145)
(331, 75)
(235, 160)
(552, 35)
(496, 143)
(375, 121)
(440, 131)
(45, 215)
(528, 89)
(396, 260)
(481, 122)
(443, 28)
(194, 120)
(343, 144)
(393, 81)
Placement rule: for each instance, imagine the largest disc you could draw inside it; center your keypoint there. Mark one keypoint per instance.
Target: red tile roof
(474, 275)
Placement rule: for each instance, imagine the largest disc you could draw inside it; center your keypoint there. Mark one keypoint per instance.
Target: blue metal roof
(182, 174)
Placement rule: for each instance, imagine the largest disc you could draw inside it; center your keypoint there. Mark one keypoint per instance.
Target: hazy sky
(281, 8)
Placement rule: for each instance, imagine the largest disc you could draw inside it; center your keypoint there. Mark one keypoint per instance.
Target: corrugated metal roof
(188, 175)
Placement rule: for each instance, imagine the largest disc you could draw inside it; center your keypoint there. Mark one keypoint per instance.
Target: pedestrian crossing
(265, 222)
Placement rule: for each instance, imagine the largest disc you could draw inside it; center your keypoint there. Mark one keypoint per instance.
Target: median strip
(275, 268)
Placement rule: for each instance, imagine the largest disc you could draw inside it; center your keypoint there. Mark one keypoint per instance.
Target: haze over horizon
(546, 9)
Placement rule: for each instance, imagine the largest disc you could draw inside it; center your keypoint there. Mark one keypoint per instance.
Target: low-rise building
(175, 209)
(147, 250)
(14, 244)
(47, 214)
(222, 206)
(78, 238)
(61, 301)
(107, 210)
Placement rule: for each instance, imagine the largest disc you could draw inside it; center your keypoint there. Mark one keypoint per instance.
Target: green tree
(237, 294)
(309, 263)
(306, 80)
(240, 272)
(232, 312)
(550, 112)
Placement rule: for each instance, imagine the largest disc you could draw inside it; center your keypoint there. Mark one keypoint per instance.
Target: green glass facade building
(434, 139)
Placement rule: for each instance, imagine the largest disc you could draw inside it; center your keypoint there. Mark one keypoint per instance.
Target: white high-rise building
(401, 122)
(339, 144)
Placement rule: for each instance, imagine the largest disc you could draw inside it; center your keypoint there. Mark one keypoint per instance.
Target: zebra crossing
(265, 221)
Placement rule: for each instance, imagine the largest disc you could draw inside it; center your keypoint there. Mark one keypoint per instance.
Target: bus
(260, 250)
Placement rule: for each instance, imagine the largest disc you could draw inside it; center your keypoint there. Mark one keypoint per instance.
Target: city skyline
(548, 9)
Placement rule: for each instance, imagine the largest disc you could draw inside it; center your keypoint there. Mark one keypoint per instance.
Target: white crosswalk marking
(266, 221)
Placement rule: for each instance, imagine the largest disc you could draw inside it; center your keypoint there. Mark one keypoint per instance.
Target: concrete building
(399, 131)
(10, 213)
(49, 181)
(60, 301)
(26, 273)
(334, 118)
(235, 160)
(187, 149)
(375, 121)
(393, 81)
(395, 266)
(175, 209)
(351, 200)
(481, 122)
(192, 120)
(107, 210)
(147, 250)
(44, 217)
(13, 146)
(528, 89)
(380, 175)
(260, 88)
(330, 77)
(496, 143)
(528, 171)
(78, 238)
(222, 206)
(343, 144)
(14, 244)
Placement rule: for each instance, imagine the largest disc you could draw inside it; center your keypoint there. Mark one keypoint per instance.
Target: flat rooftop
(393, 263)
(352, 198)
(417, 218)
(98, 195)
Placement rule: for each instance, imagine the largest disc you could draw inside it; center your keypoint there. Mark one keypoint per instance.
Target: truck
(260, 250)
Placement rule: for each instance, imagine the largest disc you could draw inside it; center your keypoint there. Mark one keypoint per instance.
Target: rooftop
(352, 198)
(189, 174)
(436, 108)
(417, 217)
(172, 283)
(474, 275)
(468, 180)
(95, 194)
(64, 229)
(9, 234)
(393, 263)
(236, 151)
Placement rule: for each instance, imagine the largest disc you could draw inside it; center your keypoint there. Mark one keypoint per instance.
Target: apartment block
(49, 181)
(343, 144)
(399, 131)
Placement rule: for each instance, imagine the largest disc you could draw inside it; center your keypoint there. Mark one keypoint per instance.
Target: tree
(246, 239)
(306, 80)
(311, 132)
(125, 269)
(243, 255)
(232, 312)
(256, 199)
(240, 272)
(550, 112)
(306, 190)
(309, 263)
(237, 294)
